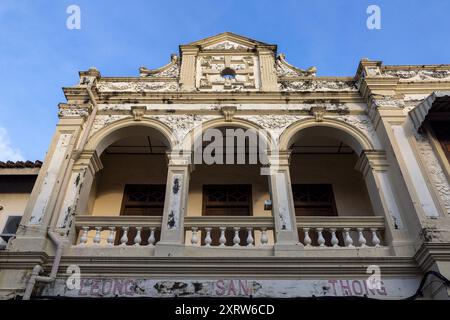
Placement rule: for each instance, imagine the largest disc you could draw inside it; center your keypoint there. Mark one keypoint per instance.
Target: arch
(195, 133)
(125, 128)
(352, 136)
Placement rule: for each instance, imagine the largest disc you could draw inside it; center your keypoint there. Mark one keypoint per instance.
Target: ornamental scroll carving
(434, 170)
(274, 124)
(137, 86)
(418, 75)
(317, 85)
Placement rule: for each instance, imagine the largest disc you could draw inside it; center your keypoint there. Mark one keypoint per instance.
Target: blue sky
(39, 55)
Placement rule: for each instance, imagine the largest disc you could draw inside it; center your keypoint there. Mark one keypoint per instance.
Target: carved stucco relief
(418, 75)
(137, 86)
(274, 124)
(434, 170)
(104, 120)
(73, 112)
(181, 125)
(317, 85)
(363, 123)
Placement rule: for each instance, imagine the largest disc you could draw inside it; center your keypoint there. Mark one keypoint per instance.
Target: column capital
(372, 160)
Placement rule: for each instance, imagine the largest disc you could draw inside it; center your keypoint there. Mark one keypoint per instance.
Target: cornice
(431, 252)
(255, 267)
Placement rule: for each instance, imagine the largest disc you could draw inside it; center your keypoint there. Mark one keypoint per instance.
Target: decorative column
(282, 200)
(268, 76)
(177, 188)
(374, 167)
(188, 67)
(77, 191)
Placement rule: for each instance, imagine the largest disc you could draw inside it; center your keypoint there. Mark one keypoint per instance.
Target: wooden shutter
(227, 200)
(143, 200)
(313, 200)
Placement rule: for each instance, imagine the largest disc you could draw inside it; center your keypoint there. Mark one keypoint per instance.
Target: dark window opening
(442, 132)
(143, 200)
(11, 226)
(314, 200)
(228, 73)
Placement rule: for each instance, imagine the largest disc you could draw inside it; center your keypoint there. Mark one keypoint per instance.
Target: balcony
(232, 236)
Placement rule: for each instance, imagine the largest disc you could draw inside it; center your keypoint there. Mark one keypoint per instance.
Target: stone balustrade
(225, 232)
(341, 232)
(117, 231)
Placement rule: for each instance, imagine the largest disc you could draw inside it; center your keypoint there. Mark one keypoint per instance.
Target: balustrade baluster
(250, 239)
(320, 238)
(84, 235)
(208, 239)
(151, 237)
(361, 239)
(137, 238)
(347, 239)
(334, 239)
(124, 239)
(236, 239)
(111, 236)
(307, 240)
(222, 239)
(264, 237)
(97, 236)
(375, 240)
(194, 238)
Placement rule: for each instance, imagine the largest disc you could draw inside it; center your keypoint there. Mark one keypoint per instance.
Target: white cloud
(7, 151)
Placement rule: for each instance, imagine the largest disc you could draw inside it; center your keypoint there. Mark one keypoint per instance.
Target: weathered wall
(13, 204)
(349, 189)
(120, 170)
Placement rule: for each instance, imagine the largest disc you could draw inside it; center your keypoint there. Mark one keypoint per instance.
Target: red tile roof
(21, 164)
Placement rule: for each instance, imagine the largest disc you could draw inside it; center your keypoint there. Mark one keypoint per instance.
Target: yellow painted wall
(349, 188)
(228, 174)
(13, 204)
(119, 170)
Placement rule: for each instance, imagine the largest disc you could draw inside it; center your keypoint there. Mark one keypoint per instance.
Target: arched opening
(226, 181)
(132, 181)
(324, 180)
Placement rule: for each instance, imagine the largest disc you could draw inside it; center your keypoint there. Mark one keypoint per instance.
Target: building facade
(339, 187)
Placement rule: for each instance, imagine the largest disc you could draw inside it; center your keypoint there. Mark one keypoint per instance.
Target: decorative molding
(137, 86)
(434, 169)
(104, 120)
(274, 124)
(72, 111)
(317, 112)
(387, 101)
(138, 112)
(227, 45)
(284, 69)
(170, 70)
(228, 112)
(210, 77)
(317, 85)
(418, 75)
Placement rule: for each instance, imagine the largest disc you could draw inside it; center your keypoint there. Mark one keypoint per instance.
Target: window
(442, 131)
(228, 73)
(143, 200)
(314, 200)
(10, 228)
(227, 200)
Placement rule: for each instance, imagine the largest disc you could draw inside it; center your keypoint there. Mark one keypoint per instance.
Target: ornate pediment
(170, 70)
(284, 69)
(229, 41)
